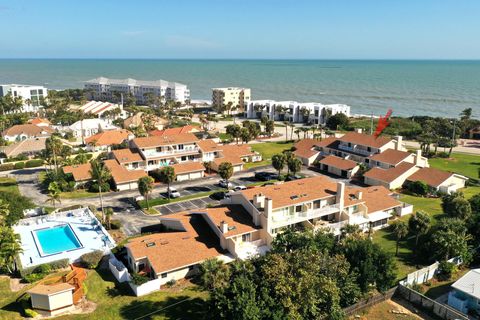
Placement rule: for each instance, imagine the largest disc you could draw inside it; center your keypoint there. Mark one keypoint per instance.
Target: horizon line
(251, 59)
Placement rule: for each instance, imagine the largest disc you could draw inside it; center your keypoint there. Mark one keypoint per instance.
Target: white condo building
(314, 112)
(31, 95)
(104, 89)
(237, 97)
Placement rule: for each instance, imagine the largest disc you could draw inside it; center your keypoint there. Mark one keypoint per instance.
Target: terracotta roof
(208, 145)
(388, 175)
(238, 220)
(172, 131)
(31, 145)
(432, 177)
(303, 148)
(337, 162)
(188, 166)
(176, 249)
(108, 138)
(126, 156)
(239, 150)
(122, 175)
(28, 129)
(327, 142)
(298, 191)
(378, 198)
(148, 142)
(36, 121)
(80, 172)
(50, 289)
(233, 159)
(391, 156)
(364, 139)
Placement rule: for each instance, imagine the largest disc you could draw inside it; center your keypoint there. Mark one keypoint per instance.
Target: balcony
(151, 153)
(283, 220)
(355, 150)
(246, 250)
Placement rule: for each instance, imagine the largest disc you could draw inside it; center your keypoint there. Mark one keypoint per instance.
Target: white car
(173, 192)
(223, 183)
(238, 188)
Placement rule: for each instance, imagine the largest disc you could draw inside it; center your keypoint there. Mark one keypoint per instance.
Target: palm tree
(4, 212)
(145, 187)
(286, 130)
(167, 176)
(297, 132)
(53, 197)
(278, 162)
(108, 217)
(100, 174)
(225, 170)
(400, 230)
(208, 166)
(10, 247)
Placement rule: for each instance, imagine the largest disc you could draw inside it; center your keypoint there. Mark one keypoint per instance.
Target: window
(246, 237)
(369, 149)
(316, 204)
(164, 275)
(183, 158)
(298, 208)
(180, 147)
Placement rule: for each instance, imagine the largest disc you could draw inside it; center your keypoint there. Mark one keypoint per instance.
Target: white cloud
(178, 41)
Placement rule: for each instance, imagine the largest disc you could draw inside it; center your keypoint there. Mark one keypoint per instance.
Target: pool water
(57, 239)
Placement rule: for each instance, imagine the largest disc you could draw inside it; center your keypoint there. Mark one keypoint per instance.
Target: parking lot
(199, 203)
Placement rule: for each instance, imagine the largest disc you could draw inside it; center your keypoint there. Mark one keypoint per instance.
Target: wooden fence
(367, 303)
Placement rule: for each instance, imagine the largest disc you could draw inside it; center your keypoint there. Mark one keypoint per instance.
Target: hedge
(43, 268)
(19, 165)
(7, 166)
(34, 163)
(92, 259)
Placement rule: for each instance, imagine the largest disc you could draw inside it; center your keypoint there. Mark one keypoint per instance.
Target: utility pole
(371, 123)
(453, 133)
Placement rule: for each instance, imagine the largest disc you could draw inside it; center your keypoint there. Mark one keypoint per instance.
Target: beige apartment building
(238, 98)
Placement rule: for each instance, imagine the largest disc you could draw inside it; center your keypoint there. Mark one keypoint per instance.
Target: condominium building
(107, 89)
(293, 111)
(236, 97)
(31, 95)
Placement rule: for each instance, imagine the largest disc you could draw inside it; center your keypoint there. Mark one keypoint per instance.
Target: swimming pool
(56, 239)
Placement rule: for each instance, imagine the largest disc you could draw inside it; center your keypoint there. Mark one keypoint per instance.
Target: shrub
(94, 187)
(34, 163)
(43, 268)
(19, 165)
(115, 224)
(442, 155)
(417, 287)
(418, 188)
(446, 270)
(170, 283)
(92, 259)
(7, 166)
(29, 313)
(138, 279)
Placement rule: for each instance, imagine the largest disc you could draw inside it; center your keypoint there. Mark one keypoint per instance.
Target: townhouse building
(108, 89)
(293, 111)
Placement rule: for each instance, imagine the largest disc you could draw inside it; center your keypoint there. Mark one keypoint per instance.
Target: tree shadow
(180, 307)
(198, 189)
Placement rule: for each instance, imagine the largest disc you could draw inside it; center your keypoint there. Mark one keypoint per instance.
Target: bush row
(20, 165)
(35, 273)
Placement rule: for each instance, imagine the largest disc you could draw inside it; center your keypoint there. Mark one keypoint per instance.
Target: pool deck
(85, 225)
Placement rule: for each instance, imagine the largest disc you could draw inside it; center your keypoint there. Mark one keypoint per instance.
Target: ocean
(435, 88)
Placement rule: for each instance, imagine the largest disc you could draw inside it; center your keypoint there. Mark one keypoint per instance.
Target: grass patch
(78, 194)
(461, 163)
(115, 301)
(267, 150)
(162, 201)
(224, 136)
(384, 237)
(9, 185)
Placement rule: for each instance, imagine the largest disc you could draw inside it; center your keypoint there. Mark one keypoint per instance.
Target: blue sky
(342, 29)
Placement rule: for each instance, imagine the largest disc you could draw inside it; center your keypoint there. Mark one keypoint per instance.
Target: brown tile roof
(80, 172)
(297, 191)
(37, 121)
(327, 142)
(189, 166)
(303, 148)
(337, 162)
(176, 249)
(233, 159)
(364, 139)
(432, 177)
(239, 221)
(122, 175)
(148, 142)
(208, 145)
(388, 175)
(126, 156)
(391, 156)
(173, 131)
(28, 129)
(108, 138)
(50, 289)
(238, 150)
(378, 198)
(31, 145)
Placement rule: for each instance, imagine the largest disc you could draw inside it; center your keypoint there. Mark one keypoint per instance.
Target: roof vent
(294, 197)
(150, 244)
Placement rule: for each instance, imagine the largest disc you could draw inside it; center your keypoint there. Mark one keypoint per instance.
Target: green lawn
(432, 206)
(267, 150)
(8, 185)
(461, 163)
(115, 301)
(78, 194)
(161, 201)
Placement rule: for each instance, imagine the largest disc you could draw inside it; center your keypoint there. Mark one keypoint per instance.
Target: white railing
(154, 153)
(301, 216)
(337, 226)
(355, 150)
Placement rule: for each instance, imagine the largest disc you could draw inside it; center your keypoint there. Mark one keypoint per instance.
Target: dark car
(291, 178)
(265, 176)
(218, 195)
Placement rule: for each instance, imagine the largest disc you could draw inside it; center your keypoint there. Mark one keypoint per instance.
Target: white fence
(118, 269)
(146, 288)
(427, 273)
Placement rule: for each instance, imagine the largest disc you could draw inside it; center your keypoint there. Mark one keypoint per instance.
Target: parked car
(218, 195)
(291, 178)
(265, 176)
(238, 188)
(223, 183)
(173, 192)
